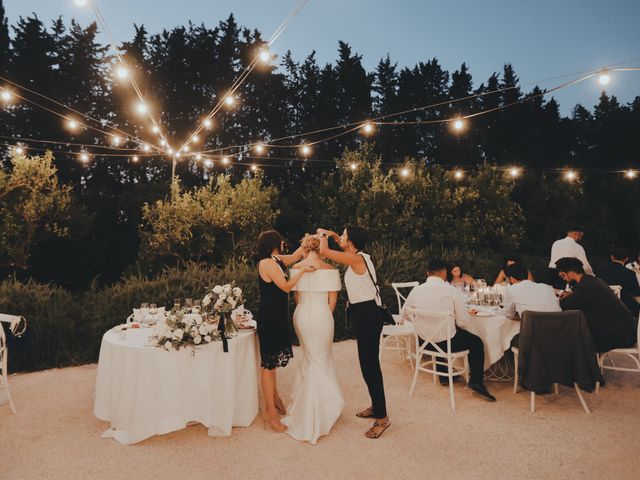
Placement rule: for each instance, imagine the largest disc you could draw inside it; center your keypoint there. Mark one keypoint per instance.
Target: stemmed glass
(153, 309)
(176, 304)
(188, 302)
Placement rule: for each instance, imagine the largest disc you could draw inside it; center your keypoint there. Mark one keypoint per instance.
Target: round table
(144, 390)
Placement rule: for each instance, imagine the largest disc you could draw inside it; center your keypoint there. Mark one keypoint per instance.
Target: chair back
(617, 289)
(433, 327)
(398, 287)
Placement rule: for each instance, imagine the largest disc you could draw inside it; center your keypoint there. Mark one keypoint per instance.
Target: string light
(81, 3)
(155, 129)
(72, 124)
(368, 128)
(458, 124)
(142, 108)
(146, 148)
(185, 148)
(229, 100)
(458, 174)
(195, 138)
(514, 172)
(208, 163)
(404, 172)
(6, 96)
(254, 167)
(135, 159)
(264, 56)
(630, 174)
(259, 149)
(604, 78)
(570, 175)
(163, 142)
(208, 124)
(198, 156)
(225, 160)
(353, 166)
(177, 155)
(19, 150)
(84, 157)
(116, 140)
(305, 150)
(170, 151)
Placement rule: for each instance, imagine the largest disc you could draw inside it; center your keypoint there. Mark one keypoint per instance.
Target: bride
(317, 401)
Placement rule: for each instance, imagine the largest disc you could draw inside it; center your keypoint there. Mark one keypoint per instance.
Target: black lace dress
(273, 324)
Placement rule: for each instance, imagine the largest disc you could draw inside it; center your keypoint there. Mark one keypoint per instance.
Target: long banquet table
(144, 390)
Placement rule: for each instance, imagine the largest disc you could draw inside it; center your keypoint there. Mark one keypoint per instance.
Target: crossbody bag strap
(371, 277)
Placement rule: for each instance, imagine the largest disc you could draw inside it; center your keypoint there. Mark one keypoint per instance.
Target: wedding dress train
(317, 400)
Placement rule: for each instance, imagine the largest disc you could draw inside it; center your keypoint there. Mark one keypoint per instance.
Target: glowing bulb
(353, 166)
(72, 124)
(604, 78)
(155, 129)
(146, 148)
(6, 95)
(254, 167)
(116, 140)
(458, 124)
(170, 151)
(185, 148)
(208, 163)
(229, 100)
(570, 175)
(163, 142)
(122, 72)
(177, 155)
(368, 128)
(135, 159)
(81, 3)
(458, 174)
(19, 150)
(198, 156)
(195, 138)
(142, 108)
(259, 149)
(208, 124)
(404, 172)
(265, 56)
(514, 172)
(225, 160)
(305, 150)
(84, 157)
(630, 174)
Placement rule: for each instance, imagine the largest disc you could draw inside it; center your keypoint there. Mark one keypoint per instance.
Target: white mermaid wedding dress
(317, 399)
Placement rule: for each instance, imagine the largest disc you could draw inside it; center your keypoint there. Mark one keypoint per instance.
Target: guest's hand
(309, 268)
(472, 311)
(565, 294)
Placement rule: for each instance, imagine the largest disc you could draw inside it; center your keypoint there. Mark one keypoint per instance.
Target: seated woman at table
(508, 261)
(457, 278)
(273, 318)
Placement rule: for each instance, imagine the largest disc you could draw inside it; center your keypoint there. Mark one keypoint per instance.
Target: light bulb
(259, 149)
(155, 129)
(254, 167)
(6, 96)
(116, 140)
(514, 172)
(208, 124)
(198, 156)
(72, 124)
(229, 100)
(146, 148)
(122, 72)
(134, 159)
(265, 56)
(305, 150)
(404, 172)
(163, 142)
(208, 163)
(225, 160)
(142, 108)
(604, 79)
(368, 128)
(84, 157)
(458, 174)
(458, 124)
(185, 148)
(630, 174)
(19, 150)
(570, 175)
(195, 138)
(353, 166)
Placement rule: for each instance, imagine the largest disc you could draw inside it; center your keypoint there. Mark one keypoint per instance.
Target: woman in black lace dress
(273, 318)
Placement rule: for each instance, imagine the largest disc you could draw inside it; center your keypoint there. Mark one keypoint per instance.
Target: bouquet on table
(222, 299)
(182, 329)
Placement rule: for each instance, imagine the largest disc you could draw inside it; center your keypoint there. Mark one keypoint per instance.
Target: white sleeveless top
(318, 281)
(360, 288)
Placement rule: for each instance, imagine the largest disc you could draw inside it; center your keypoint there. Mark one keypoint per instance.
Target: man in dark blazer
(610, 321)
(615, 273)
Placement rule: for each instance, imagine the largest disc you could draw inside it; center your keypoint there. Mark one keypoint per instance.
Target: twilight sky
(541, 38)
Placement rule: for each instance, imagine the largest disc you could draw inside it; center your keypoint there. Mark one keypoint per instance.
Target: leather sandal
(372, 433)
(366, 413)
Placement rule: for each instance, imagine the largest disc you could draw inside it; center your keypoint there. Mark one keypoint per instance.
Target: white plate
(484, 314)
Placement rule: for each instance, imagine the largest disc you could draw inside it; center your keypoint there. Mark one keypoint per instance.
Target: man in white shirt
(437, 295)
(567, 247)
(524, 294)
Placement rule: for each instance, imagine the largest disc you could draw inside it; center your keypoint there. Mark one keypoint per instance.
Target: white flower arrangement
(223, 298)
(181, 329)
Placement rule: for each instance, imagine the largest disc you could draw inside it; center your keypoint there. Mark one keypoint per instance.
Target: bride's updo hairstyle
(310, 243)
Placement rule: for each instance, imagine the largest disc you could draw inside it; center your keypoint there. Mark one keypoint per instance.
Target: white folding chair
(398, 337)
(4, 380)
(431, 326)
(617, 289)
(632, 353)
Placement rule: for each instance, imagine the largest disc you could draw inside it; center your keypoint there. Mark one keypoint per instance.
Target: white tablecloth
(496, 332)
(144, 391)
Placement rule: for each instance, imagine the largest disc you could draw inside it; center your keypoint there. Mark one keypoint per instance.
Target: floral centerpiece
(222, 299)
(181, 329)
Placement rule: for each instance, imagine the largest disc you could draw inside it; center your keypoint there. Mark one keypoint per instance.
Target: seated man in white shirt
(436, 295)
(524, 294)
(567, 247)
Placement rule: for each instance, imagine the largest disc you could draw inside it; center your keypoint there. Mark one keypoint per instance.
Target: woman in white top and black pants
(365, 314)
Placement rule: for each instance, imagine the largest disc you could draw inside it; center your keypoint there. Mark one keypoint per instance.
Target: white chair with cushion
(398, 337)
(430, 326)
(632, 353)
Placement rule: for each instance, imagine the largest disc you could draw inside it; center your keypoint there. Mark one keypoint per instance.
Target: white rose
(237, 291)
(207, 339)
(223, 296)
(198, 320)
(203, 330)
(217, 289)
(232, 302)
(227, 289)
(219, 303)
(197, 339)
(167, 345)
(206, 300)
(178, 334)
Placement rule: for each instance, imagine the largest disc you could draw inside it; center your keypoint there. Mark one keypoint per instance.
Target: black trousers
(368, 323)
(464, 340)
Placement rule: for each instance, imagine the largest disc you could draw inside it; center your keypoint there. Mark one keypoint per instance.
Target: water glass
(197, 304)
(153, 309)
(144, 305)
(188, 302)
(176, 304)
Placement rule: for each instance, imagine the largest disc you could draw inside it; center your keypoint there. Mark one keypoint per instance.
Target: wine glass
(153, 309)
(144, 305)
(188, 302)
(176, 304)
(197, 303)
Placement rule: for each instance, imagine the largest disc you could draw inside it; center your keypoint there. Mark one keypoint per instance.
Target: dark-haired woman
(510, 260)
(365, 315)
(458, 278)
(273, 318)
